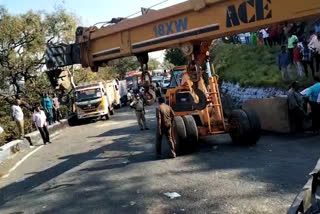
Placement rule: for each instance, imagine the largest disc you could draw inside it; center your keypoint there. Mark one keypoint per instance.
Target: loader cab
(178, 96)
(176, 76)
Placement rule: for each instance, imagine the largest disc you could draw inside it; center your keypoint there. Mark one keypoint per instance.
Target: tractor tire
(255, 125)
(239, 127)
(202, 104)
(192, 132)
(179, 133)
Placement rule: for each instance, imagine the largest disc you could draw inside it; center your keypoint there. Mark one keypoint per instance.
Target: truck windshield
(91, 94)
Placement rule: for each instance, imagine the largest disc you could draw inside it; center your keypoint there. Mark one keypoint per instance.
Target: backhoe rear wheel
(192, 132)
(255, 125)
(179, 134)
(240, 128)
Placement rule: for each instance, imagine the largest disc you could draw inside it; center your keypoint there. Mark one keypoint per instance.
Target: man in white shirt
(40, 119)
(17, 116)
(265, 36)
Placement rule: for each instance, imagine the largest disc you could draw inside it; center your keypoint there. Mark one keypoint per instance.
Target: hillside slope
(250, 65)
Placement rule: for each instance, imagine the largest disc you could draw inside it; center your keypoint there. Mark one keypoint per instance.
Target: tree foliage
(83, 75)
(166, 65)
(175, 57)
(123, 65)
(153, 64)
(23, 40)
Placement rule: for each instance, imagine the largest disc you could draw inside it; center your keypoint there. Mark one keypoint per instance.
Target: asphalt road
(110, 167)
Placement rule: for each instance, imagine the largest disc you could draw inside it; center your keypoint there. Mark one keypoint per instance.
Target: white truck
(123, 90)
(93, 100)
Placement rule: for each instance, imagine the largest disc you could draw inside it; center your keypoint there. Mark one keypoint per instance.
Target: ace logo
(248, 11)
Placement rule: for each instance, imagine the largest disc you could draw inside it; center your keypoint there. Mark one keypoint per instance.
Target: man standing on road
(165, 117)
(296, 109)
(17, 116)
(138, 105)
(40, 119)
(47, 106)
(313, 94)
(56, 108)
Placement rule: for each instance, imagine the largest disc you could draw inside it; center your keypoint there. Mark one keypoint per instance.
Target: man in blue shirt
(313, 94)
(283, 63)
(47, 106)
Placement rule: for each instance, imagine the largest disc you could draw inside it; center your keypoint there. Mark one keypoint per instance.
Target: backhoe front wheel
(179, 133)
(244, 127)
(192, 132)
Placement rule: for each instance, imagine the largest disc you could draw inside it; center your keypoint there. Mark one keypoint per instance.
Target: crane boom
(187, 22)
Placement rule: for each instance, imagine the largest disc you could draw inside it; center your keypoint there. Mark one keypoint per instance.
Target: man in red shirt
(297, 59)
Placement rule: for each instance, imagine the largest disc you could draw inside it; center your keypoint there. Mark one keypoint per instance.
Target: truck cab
(92, 101)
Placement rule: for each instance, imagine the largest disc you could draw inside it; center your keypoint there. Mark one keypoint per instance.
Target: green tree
(23, 40)
(83, 75)
(175, 57)
(166, 65)
(123, 65)
(153, 64)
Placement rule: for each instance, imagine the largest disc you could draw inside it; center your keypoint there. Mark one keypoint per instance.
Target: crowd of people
(275, 35)
(44, 114)
(301, 52)
(298, 48)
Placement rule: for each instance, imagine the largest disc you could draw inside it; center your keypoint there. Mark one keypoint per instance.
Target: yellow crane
(191, 26)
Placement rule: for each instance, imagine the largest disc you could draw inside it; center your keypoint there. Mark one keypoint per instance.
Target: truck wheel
(107, 116)
(73, 119)
(255, 125)
(111, 111)
(192, 131)
(179, 133)
(239, 127)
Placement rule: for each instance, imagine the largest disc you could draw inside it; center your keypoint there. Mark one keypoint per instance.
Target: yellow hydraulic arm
(186, 23)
